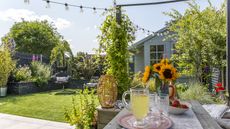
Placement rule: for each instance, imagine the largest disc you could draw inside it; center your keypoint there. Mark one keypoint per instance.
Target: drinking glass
(139, 101)
(153, 103)
(163, 105)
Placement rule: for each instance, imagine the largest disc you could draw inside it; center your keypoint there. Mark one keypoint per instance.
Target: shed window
(156, 53)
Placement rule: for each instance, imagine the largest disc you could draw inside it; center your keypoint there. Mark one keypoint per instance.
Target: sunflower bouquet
(161, 73)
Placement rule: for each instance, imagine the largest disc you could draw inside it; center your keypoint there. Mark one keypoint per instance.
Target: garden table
(195, 118)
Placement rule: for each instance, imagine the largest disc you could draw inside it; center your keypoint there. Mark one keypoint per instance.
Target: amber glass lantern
(107, 91)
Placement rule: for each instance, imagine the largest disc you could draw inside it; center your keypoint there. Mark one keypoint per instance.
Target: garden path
(17, 122)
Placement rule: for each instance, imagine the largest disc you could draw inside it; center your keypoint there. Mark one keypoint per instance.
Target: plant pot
(3, 91)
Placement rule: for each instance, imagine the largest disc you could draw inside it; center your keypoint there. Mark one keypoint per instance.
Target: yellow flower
(168, 72)
(164, 61)
(146, 74)
(157, 67)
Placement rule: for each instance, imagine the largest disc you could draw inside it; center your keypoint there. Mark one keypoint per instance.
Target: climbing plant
(114, 41)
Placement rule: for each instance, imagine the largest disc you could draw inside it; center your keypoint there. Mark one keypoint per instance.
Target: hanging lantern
(107, 91)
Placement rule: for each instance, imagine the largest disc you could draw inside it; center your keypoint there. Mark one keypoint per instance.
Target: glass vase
(164, 88)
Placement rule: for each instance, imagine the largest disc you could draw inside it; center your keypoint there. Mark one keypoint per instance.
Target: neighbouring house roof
(142, 41)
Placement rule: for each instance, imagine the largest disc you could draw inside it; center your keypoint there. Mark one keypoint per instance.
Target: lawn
(46, 105)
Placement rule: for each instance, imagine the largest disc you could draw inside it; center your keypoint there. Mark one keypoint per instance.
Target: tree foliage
(34, 37)
(114, 41)
(59, 51)
(201, 38)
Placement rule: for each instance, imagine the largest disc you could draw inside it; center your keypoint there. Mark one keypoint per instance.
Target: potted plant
(6, 66)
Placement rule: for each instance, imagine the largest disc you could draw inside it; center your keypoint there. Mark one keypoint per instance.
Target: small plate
(127, 121)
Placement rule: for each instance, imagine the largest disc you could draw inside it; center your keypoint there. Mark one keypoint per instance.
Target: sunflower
(168, 72)
(165, 61)
(157, 67)
(146, 74)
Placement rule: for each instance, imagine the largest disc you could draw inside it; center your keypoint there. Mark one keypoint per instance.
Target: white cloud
(18, 14)
(95, 41)
(87, 29)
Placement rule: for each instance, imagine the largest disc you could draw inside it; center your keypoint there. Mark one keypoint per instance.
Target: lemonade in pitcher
(139, 105)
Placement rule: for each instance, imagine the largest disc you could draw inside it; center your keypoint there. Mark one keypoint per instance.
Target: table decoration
(160, 76)
(127, 121)
(107, 91)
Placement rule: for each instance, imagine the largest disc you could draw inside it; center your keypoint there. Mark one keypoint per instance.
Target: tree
(114, 41)
(34, 37)
(201, 39)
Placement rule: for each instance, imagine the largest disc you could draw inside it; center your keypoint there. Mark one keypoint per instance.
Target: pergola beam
(151, 3)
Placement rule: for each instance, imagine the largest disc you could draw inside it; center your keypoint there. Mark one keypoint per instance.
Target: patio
(171, 76)
(18, 122)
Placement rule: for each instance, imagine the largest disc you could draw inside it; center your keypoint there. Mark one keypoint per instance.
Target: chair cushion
(215, 110)
(224, 123)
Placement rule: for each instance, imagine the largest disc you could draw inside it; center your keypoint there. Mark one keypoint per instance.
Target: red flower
(219, 87)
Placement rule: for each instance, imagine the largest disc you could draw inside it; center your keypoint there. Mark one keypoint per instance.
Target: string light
(47, 4)
(94, 10)
(27, 1)
(81, 7)
(66, 6)
(77, 6)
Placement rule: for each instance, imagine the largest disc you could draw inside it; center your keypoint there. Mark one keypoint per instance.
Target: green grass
(46, 105)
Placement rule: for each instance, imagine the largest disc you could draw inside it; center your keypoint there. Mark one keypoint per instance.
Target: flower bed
(21, 88)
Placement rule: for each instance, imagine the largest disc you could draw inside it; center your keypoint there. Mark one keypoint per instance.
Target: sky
(80, 29)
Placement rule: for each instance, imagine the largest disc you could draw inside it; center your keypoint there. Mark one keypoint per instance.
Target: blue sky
(81, 29)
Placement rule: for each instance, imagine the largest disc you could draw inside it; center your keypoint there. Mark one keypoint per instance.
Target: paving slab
(18, 122)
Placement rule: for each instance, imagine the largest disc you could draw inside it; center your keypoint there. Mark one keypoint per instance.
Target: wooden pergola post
(228, 51)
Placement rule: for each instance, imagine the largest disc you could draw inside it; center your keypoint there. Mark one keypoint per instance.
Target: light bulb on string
(143, 30)
(148, 32)
(81, 9)
(94, 10)
(66, 6)
(27, 1)
(48, 4)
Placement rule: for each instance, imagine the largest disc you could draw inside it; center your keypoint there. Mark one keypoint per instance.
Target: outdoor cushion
(216, 111)
(62, 79)
(226, 115)
(224, 123)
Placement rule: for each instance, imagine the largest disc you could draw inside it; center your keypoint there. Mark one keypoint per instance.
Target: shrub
(6, 66)
(137, 79)
(197, 91)
(84, 65)
(82, 114)
(22, 74)
(181, 87)
(41, 73)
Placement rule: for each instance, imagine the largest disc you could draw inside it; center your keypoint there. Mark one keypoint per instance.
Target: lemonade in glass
(139, 105)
